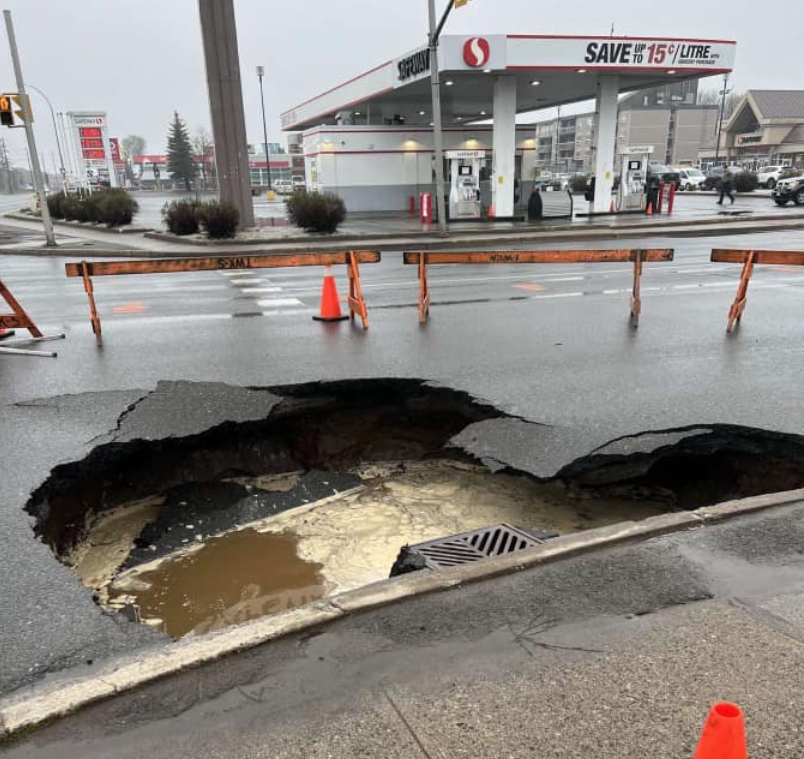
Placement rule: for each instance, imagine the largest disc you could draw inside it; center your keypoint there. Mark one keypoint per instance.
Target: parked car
(789, 189)
(283, 186)
(769, 176)
(299, 183)
(715, 176)
(664, 173)
(691, 179)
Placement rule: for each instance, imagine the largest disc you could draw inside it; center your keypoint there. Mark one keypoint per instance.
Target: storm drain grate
(467, 547)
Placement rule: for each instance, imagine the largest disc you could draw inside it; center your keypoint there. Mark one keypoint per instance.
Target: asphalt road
(551, 344)
(616, 654)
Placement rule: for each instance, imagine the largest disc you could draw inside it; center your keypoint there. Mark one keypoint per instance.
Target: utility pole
(261, 74)
(723, 94)
(27, 117)
(219, 33)
(436, 97)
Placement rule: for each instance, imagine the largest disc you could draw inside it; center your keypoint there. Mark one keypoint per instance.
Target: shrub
(114, 207)
(181, 217)
(219, 219)
(316, 211)
(746, 181)
(55, 204)
(578, 182)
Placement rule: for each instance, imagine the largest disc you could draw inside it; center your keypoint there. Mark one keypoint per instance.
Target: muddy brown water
(205, 590)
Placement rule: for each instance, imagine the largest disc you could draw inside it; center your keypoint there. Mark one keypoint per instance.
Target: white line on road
(248, 281)
(279, 302)
(556, 295)
(258, 290)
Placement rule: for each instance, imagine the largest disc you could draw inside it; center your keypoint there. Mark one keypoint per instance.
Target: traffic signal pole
(27, 118)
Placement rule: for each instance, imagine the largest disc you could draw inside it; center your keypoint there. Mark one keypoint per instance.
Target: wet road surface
(549, 343)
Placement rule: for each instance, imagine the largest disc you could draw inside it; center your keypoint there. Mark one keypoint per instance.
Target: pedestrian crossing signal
(6, 112)
(20, 114)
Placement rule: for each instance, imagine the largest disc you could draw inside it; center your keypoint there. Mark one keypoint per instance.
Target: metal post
(720, 120)
(260, 74)
(29, 134)
(55, 129)
(219, 33)
(437, 136)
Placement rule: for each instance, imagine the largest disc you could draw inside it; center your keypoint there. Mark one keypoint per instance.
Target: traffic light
(6, 112)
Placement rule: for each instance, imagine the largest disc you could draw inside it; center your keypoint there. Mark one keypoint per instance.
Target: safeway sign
(627, 53)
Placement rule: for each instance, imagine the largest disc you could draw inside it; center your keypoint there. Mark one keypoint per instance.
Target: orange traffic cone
(613, 208)
(649, 212)
(330, 303)
(723, 736)
(491, 211)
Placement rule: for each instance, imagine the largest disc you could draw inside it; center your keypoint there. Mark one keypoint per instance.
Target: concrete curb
(41, 703)
(130, 230)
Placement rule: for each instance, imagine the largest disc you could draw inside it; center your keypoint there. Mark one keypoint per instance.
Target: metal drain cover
(467, 547)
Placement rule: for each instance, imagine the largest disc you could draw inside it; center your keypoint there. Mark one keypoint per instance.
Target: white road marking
(247, 281)
(258, 290)
(279, 302)
(556, 295)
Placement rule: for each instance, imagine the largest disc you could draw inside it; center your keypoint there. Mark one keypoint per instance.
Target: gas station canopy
(549, 71)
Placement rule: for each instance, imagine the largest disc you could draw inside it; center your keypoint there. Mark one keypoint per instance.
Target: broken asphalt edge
(45, 702)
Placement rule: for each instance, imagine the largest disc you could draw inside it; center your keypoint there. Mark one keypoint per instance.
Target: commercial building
(365, 138)
(668, 118)
(766, 129)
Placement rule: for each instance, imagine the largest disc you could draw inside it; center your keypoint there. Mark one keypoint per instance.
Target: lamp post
(725, 91)
(55, 131)
(261, 74)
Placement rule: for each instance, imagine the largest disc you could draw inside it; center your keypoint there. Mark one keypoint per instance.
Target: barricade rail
(749, 258)
(351, 259)
(638, 256)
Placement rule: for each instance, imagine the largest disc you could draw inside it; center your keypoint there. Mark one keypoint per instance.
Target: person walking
(726, 188)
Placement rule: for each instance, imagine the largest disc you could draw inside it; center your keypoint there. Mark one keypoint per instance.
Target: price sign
(90, 132)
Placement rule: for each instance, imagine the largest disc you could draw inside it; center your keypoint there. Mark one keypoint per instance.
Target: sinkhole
(196, 533)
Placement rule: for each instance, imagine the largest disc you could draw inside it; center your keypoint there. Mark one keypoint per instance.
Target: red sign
(90, 132)
(95, 154)
(92, 143)
(115, 144)
(476, 52)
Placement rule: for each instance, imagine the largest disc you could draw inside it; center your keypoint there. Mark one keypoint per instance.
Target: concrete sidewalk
(614, 654)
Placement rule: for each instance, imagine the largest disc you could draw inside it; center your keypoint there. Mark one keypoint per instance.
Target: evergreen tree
(180, 153)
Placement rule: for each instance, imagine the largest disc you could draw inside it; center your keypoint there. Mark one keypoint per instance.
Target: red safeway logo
(476, 52)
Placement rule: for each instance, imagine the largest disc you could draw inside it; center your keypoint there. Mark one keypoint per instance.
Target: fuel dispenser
(632, 192)
(464, 194)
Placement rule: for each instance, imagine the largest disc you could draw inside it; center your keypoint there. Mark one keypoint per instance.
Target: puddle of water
(233, 578)
(110, 540)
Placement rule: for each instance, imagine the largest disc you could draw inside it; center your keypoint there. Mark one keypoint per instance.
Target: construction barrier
(748, 258)
(19, 319)
(351, 259)
(637, 256)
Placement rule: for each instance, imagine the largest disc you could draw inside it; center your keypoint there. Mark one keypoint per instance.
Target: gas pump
(633, 178)
(464, 194)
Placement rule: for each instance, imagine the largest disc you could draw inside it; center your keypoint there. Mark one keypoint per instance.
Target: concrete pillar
(605, 140)
(504, 145)
(226, 105)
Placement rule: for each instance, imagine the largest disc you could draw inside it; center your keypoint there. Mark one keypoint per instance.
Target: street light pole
(261, 74)
(436, 98)
(55, 131)
(29, 134)
(723, 94)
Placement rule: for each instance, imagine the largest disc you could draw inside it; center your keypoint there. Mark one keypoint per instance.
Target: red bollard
(426, 208)
(412, 205)
(660, 199)
(671, 198)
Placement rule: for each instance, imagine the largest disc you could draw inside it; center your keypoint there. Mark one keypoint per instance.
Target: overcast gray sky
(141, 59)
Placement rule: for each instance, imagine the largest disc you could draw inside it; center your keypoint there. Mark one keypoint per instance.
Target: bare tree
(712, 97)
(203, 149)
(132, 145)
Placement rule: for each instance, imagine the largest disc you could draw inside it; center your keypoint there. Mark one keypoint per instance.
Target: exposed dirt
(250, 518)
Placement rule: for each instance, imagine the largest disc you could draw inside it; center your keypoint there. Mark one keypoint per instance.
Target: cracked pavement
(570, 365)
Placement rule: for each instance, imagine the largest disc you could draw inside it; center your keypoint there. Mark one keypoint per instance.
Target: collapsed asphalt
(571, 368)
